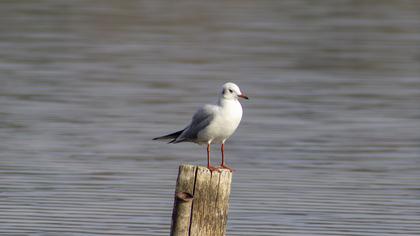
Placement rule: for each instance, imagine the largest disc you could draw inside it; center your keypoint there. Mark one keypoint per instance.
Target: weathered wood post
(201, 202)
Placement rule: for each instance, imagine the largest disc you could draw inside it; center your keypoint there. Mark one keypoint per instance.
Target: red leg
(223, 153)
(223, 165)
(211, 168)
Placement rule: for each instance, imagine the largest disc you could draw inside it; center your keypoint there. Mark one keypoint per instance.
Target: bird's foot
(224, 166)
(213, 168)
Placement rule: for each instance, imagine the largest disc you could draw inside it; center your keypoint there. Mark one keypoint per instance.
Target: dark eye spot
(230, 90)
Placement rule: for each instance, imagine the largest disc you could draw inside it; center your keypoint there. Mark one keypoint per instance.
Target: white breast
(225, 122)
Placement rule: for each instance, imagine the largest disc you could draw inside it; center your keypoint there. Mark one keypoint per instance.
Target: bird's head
(231, 91)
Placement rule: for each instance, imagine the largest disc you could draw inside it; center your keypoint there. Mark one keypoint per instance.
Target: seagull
(213, 123)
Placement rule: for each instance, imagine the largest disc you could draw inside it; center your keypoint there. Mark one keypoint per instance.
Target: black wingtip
(172, 136)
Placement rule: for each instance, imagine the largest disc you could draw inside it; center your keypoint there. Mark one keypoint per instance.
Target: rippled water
(329, 142)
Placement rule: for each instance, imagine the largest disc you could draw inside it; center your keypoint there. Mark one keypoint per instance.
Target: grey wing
(200, 120)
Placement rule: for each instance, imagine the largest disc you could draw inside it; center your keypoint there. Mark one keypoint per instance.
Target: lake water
(329, 143)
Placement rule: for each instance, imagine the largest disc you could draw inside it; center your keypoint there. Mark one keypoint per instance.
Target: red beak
(243, 96)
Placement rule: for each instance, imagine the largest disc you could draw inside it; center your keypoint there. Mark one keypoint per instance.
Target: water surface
(328, 145)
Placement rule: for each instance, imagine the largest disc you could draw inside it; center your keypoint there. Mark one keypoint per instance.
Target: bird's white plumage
(215, 123)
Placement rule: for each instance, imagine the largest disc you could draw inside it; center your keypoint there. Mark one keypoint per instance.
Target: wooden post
(201, 202)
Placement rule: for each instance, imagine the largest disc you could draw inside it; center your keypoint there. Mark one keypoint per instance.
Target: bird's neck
(223, 103)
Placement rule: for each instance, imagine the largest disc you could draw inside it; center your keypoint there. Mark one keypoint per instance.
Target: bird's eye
(230, 90)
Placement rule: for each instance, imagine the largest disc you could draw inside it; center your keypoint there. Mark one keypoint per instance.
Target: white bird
(213, 123)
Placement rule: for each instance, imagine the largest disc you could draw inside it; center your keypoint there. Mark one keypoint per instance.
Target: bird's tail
(172, 136)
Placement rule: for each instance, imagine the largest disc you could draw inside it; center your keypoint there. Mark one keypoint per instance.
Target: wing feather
(201, 119)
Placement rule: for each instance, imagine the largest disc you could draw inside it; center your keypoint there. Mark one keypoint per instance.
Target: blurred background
(328, 144)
